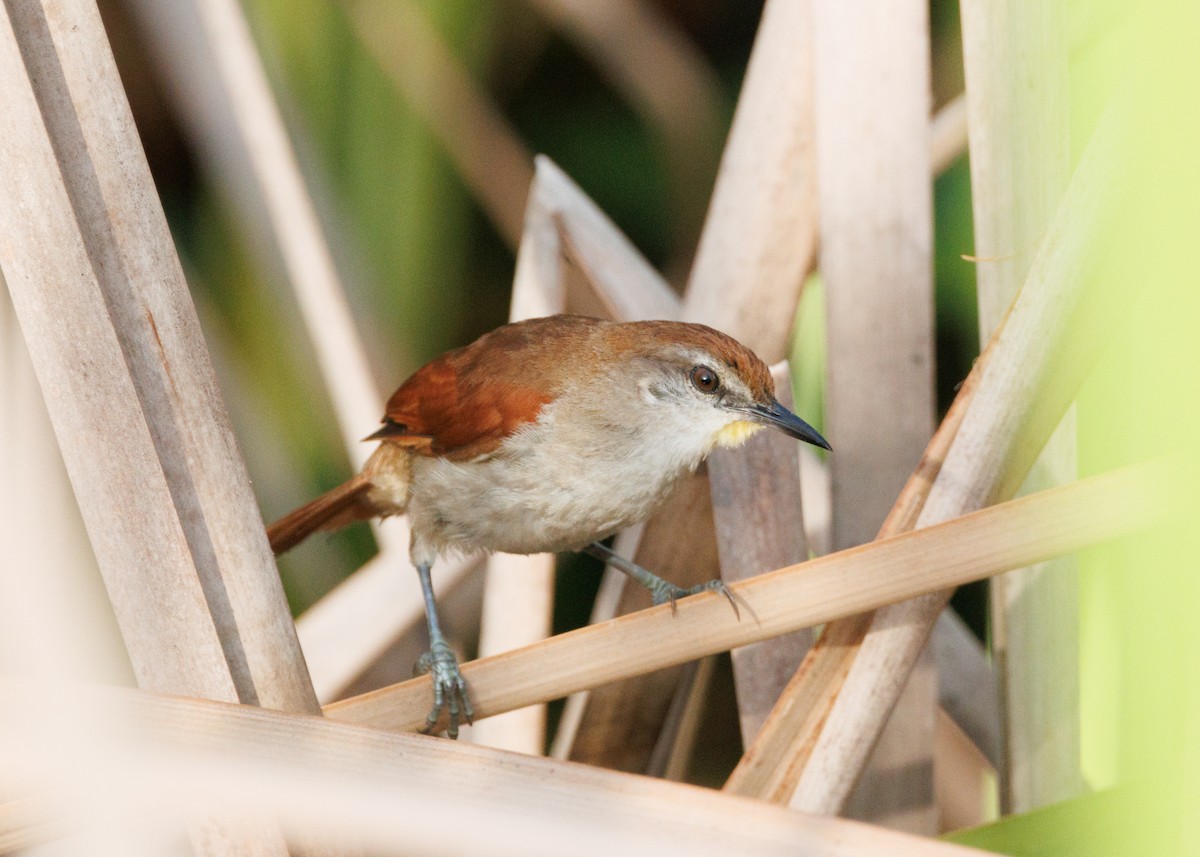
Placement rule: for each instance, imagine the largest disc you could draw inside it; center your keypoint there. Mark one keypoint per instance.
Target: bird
(544, 436)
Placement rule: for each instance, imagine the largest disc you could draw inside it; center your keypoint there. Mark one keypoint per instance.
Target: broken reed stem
(822, 590)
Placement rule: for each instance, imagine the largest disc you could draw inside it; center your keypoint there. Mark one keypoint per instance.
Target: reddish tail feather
(333, 510)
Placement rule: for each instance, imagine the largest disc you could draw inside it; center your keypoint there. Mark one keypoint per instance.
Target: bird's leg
(661, 591)
(449, 686)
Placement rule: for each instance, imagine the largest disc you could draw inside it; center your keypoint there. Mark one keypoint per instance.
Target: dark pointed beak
(777, 416)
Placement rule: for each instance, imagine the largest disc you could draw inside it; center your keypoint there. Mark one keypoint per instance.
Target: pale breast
(545, 491)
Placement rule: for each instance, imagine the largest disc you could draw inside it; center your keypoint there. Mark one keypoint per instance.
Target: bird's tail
(334, 509)
(381, 489)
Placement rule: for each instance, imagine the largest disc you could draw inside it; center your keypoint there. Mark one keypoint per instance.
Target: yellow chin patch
(735, 434)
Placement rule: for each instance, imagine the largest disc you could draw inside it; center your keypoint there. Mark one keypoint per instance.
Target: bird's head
(706, 388)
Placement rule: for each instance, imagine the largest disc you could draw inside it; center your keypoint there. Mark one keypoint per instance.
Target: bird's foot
(449, 687)
(663, 592)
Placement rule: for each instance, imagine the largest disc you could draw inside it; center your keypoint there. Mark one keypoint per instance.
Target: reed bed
(870, 718)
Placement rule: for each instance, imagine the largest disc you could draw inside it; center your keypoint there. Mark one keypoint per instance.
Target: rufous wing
(465, 403)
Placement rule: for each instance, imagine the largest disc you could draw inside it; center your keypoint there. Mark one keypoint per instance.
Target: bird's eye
(705, 379)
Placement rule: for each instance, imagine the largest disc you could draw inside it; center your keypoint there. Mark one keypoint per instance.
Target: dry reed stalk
(876, 236)
(759, 241)
(127, 380)
(836, 705)
(573, 258)
(518, 606)
(489, 156)
(118, 351)
(758, 514)
(578, 247)
(815, 490)
(876, 223)
(948, 130)
(332, 778)
(672, 754)
(580, 258)
(54, 617)
(576, 257)
(206, 52)
(608, 600)
(966, 680)
(1015, 60)
(241, 133)
(848, 583)
(758, 245)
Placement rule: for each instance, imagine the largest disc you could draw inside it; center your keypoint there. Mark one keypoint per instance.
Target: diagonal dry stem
(875, 196)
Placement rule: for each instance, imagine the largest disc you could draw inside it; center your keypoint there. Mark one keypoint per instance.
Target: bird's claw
(665, 593)
(449, 687)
